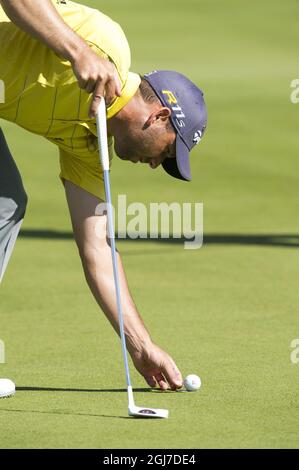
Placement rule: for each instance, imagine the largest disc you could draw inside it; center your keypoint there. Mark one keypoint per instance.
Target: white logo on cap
(197, 137)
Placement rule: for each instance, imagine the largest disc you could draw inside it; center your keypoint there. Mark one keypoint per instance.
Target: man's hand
(157, 367)
(98, 76)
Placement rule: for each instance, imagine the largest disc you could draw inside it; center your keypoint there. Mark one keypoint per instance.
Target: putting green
(228, 311)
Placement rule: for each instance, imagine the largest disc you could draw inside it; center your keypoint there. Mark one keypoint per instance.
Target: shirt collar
(128, 91)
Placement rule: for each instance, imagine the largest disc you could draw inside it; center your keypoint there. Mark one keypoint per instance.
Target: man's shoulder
(82, 16)
(96, 28)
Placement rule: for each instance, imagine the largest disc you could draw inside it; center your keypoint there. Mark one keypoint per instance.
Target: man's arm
(155, 365)
(42, 21)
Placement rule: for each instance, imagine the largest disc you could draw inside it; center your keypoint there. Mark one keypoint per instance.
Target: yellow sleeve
(86, 173)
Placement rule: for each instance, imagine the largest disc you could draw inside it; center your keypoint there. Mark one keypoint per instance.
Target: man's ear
(159, 115)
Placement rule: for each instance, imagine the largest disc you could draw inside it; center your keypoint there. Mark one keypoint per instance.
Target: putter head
(139, 412)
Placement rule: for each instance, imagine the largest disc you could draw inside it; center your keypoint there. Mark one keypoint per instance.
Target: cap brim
(179, 167)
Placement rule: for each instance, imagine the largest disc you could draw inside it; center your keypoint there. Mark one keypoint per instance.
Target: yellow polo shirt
(42, 94)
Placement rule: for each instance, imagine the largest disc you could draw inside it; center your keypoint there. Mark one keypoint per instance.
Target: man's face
(151, 145)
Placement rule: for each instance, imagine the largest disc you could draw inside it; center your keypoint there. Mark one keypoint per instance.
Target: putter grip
(102, 135)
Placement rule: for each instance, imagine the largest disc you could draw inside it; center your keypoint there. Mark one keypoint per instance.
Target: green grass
(228, 311)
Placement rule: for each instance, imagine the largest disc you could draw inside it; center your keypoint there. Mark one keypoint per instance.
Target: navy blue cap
(188, 116)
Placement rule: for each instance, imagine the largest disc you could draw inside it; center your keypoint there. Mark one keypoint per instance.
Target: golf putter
(136, 411)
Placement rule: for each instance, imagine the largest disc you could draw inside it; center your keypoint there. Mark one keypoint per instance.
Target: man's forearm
(99, 274)
(95, 254)
(42, 21)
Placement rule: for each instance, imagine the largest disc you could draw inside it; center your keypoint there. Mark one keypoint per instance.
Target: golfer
(57, 60)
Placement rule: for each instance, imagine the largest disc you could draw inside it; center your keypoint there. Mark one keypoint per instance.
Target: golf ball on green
(192, 382)
(7, 388)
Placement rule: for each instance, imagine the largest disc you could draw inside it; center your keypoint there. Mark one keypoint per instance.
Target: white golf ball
(7, 388)
(192, 382)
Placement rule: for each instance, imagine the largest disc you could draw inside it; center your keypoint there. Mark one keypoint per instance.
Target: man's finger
(94, 106)
(118, 85)
(82, 83)
(110, 91)
(161, 381)
(113, 86)
(173, 375)
(90, 86)
(96, 99)
(150, 381)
